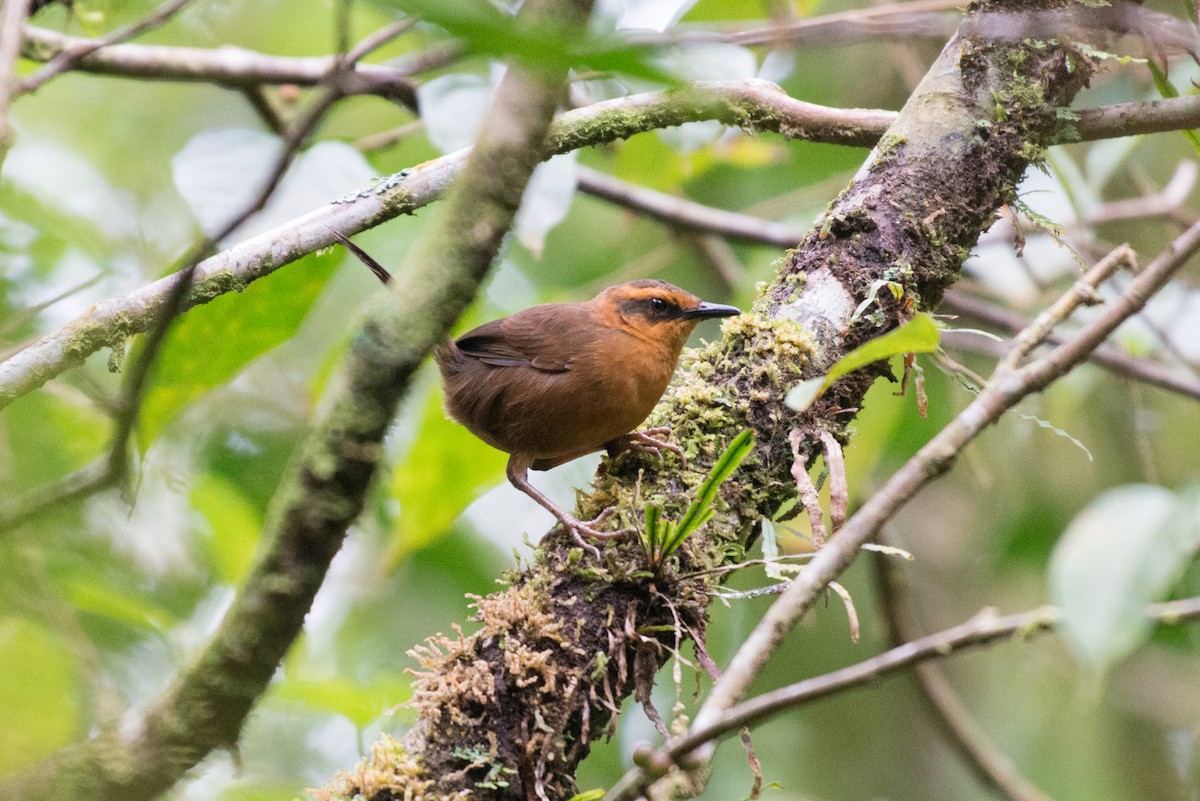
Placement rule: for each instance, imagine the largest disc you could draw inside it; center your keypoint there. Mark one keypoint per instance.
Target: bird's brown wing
(532, 338)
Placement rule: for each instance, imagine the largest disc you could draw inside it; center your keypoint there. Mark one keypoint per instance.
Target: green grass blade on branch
(661, 537)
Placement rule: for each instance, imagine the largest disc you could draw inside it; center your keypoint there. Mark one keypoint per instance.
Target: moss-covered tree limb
(205, 708)
(752, 104)
(509, 711)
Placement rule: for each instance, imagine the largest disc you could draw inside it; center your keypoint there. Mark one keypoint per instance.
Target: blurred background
(102, 600)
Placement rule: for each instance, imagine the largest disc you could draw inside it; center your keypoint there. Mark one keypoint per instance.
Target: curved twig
(67, 58)
(992, 766)
(1008, 385)
(231, 67)
(985, 628)
(754, 104)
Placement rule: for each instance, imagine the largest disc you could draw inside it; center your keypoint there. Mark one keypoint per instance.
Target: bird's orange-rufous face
(656, 309)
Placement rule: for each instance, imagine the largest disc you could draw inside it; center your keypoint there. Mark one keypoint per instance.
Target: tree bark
(508, 712)
(149, 750)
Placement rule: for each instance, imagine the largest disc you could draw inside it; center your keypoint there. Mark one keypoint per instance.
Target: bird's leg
(518, 475)
(645, 442)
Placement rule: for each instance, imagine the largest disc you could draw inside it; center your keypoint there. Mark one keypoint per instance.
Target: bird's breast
(613, 383)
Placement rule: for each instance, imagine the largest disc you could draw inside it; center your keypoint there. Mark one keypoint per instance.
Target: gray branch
(325, 489)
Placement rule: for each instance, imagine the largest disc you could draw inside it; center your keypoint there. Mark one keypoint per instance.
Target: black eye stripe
(652, 308)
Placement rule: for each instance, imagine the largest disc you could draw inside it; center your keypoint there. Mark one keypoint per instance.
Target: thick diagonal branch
(522, 698)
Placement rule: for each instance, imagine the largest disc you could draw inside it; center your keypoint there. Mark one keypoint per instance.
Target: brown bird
(555, 382)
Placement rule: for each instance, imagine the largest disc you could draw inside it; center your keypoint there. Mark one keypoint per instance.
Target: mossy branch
(325, 490)
(556, 654)
(753, 104)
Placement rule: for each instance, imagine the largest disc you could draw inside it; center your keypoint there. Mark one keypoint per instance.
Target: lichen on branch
(530, 691)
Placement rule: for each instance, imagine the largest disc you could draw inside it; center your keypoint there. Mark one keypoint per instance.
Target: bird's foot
(648, 441)
(579, 529)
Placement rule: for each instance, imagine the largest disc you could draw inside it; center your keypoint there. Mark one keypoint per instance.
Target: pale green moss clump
(771, 352)
(389, 770)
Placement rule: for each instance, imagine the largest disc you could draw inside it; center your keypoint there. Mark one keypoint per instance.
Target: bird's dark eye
(659, 305)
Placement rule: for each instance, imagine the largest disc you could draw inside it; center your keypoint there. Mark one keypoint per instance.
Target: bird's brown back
(554, 381)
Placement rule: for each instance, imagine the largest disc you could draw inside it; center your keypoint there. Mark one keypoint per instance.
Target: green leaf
(361, 703)
(652, 535)
(47, 437)
(918, 335)
(739, 447)
(1127, 549)
(234, 525)
(650, 162)
(488, 30)
(589, 795)
(258, 790)
(1168, 90)
(38, 693)
(447, 468)
(118, 605)
(212, 343)
(666, 539)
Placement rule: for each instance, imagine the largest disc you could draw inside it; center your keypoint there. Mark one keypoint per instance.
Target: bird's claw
(578, 529)
(648, 442)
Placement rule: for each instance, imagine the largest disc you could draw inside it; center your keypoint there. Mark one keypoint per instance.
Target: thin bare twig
(265, 109)
(262, 104)
(68, 58)
(993, 768)
(984, 629)
(236, 68)
(378, 141)
(907, 59)
(1082, 293)
(1167, 202)
(754, 104)
(1111, 358)
(1167, 342)
(33, 311)
(1008, 386)
(373, 41)
(718, 256)
(687, 214)
(87, 480)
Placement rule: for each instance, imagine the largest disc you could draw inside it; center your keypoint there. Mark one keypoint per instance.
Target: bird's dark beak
(707, 310)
